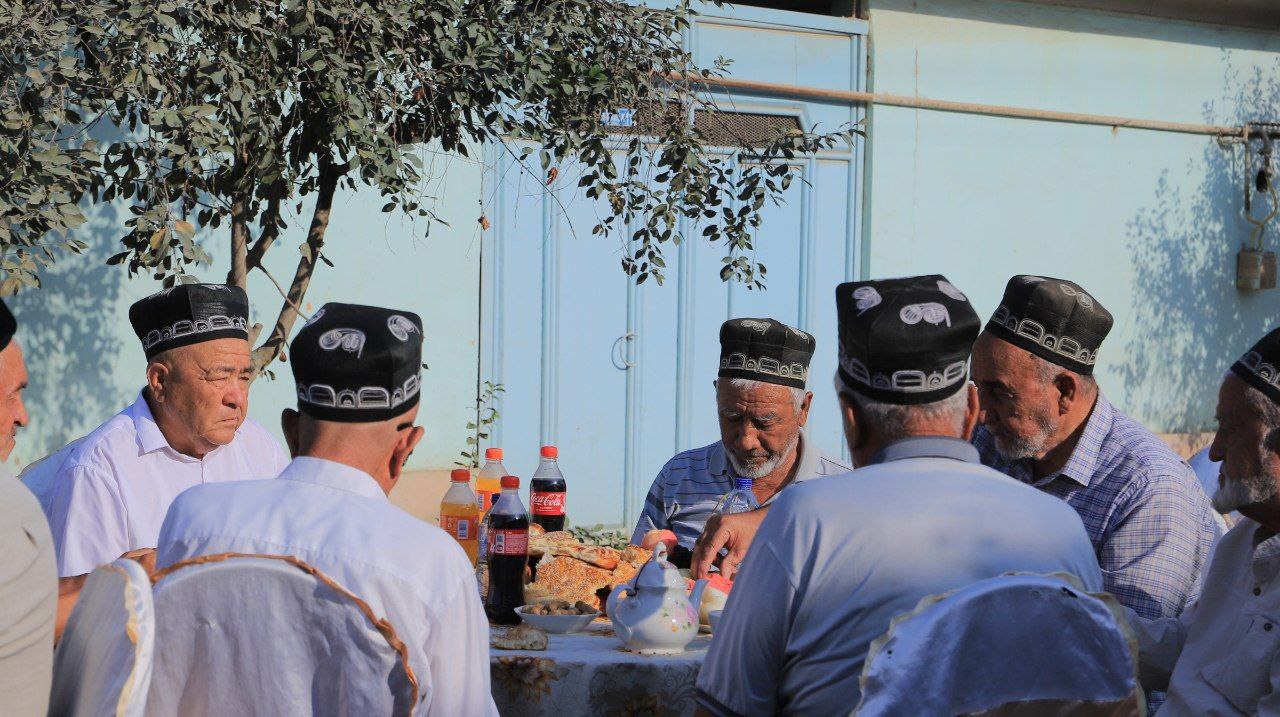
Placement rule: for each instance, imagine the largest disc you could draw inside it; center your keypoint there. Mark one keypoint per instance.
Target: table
(591, 673)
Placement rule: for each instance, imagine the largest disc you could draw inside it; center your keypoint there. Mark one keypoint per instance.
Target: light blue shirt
(837, 558)
(687, 488)
(338, 519)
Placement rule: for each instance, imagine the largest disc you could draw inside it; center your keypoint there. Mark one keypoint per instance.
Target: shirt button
(1257, 591)
(1267, 627)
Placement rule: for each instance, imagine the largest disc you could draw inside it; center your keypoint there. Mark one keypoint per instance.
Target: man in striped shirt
(762, 406)
(1046, 423)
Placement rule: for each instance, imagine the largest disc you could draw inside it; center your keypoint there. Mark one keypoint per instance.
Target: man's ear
(1068, 386)
(804, 408)
(404, 448)
(157, 380)
(971, 413)
(289, 424)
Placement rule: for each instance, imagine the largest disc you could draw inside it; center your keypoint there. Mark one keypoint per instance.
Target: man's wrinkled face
(1019, 406)
(759, 426)
(207, 389)
(1246, 446)
(13, 413)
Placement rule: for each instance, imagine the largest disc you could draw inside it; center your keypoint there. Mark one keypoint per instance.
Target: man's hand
(733, 532)
(146, 557)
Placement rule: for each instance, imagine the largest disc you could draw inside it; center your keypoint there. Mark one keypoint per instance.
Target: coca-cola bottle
(547, 492)
(507, 538)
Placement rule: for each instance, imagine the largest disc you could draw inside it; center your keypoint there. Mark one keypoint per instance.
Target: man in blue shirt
(1046, 423)
(837, 558)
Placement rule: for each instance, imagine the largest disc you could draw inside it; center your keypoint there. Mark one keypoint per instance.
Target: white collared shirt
(110, 493)
(337, 519)
(1221, 656)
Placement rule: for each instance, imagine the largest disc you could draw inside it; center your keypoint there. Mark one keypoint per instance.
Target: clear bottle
(739, 500)
(548, 492)
(460, 513)
(507, 549)
(489, 479)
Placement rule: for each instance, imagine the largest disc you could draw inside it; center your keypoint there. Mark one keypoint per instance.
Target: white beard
(770, 465)
(1235, 494)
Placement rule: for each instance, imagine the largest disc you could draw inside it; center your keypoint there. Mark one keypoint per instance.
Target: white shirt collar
(331, 474)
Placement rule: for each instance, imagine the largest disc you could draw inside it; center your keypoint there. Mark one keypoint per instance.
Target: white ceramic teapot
(658, 616)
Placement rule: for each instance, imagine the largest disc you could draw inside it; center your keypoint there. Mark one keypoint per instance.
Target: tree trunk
(274, 345)
(239, 274)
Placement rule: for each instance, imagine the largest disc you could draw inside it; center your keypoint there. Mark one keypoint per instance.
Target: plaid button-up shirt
(1150, 522)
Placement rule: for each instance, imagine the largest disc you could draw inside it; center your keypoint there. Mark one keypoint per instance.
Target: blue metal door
(619, 376)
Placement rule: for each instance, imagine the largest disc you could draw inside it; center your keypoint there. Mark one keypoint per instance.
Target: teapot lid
(658, 573)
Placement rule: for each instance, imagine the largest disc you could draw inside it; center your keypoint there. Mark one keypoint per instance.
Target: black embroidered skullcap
(357, 364)
(1258, 366)
(8, 326)
(190, 314)
(765, 350)
(1054, 319)
(905, 341)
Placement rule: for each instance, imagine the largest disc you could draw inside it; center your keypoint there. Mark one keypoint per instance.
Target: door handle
(619, 356)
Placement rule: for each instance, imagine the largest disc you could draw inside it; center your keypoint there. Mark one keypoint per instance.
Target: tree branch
(239, 273)
(274, 345)
(270, 232)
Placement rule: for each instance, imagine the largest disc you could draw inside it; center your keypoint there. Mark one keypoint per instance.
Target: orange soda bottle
(489, 479)
(460, 512)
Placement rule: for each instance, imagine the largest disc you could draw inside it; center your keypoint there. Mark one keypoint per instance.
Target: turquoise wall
(85, 363)
(1148, 221)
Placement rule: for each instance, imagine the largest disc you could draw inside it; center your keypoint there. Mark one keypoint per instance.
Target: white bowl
(714, 617)
(557, 624)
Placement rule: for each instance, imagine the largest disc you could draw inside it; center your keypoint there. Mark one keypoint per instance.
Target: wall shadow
(1190, 322)
(69, 331)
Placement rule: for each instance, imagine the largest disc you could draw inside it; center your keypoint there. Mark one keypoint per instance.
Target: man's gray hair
(1268, 412)
(747, 384)
(1047, 370)
(896, 422)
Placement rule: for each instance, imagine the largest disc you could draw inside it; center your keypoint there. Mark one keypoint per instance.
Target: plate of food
(559, 617)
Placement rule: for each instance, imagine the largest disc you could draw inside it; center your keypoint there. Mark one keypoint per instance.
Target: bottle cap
(460, 475)
(743, 483)
(493, 454)
(510, 482)
(549, 452)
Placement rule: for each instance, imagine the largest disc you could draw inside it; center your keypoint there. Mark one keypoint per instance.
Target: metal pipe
(881, 98)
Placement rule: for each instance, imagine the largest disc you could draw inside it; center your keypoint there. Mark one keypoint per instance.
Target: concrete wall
(85, 363)
(1149, 222)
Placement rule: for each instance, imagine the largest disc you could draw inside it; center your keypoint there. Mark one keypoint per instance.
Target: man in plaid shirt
(1046, 423)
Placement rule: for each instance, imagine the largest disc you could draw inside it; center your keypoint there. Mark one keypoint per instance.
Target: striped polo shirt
(689, 485)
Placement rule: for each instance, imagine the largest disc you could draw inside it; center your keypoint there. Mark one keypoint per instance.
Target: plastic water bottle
(738, 500)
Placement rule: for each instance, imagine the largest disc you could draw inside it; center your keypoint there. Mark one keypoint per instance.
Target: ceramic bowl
(557, 624)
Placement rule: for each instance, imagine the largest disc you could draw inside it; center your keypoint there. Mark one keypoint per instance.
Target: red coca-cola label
(509, 542)
(547, 503)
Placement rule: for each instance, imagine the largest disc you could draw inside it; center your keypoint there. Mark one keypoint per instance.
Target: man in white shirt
(108, 496)
(28, 584)
(838, 557)
(357, 371)
(1221, 656)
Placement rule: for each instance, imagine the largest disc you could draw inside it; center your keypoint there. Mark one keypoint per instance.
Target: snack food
(520, 637)
(560, 607)
(560, 542)
(653, 537)
(573, 580)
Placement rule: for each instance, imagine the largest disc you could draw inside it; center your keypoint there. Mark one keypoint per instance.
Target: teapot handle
(611, 605)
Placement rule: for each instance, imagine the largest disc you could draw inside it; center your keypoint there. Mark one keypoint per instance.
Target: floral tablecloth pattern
(591, 673)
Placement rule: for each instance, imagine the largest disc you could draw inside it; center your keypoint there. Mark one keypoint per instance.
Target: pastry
(520, 637)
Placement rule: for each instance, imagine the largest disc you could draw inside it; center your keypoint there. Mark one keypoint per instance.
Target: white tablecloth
(591, 673)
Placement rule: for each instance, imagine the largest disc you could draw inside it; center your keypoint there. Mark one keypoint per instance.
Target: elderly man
(109, 495)
(28, 580)
(1046, 423)
(1222, 655)
(836, 559)
(763, 407)
(357, 370)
